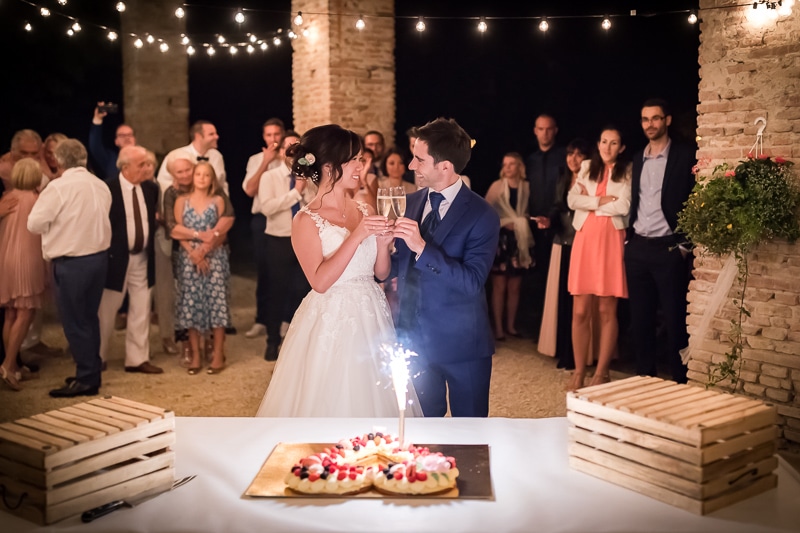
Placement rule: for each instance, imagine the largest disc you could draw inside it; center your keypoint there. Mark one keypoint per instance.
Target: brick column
(343, 75)
(156, 84)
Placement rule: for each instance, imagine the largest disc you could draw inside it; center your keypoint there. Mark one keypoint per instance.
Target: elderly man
(203, 147)
(71, 214)
(105, 158)
(131, 261)
(24, 143)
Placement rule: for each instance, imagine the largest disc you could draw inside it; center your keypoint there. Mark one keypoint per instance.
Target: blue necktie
(432, 220)
(296, 206)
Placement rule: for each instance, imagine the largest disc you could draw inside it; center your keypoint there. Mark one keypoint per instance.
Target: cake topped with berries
(373, 460)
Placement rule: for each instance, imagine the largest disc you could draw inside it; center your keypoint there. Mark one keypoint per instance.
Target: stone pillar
(343, 75)
(156, 84)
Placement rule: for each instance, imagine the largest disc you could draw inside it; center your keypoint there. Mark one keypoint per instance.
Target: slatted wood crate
(696, 449)
(63, 462)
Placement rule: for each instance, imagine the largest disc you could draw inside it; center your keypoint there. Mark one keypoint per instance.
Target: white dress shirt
(71, 215)
(188, 152)
(449, 194)
(130, 223)
(277, 198)
(252, 165)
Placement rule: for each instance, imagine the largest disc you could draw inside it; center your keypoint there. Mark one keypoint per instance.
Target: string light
(44, 12)
(298, 19)
(70, 32)
(62, 2)
(420, 25)
(360, 24)
(250, 49)
(606, 24)
(210, 51)
(221, 39)
(692, 17)
(185, 40)
(482, 27)
(291, 34)
(276, 41)
(233, 50)
(76, 27)
(112, 36)
(150, 39)
(253, 38)
(121, 7)
(180, 13)
(264, 46)
(239, 17)
(544, 25)
(164, 47)
(138, 43)
(190, 50)
(28, 26)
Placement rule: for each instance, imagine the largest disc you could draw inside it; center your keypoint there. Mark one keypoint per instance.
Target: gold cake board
(474, 481)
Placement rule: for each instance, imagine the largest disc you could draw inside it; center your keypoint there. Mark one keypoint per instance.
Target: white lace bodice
(362, 264)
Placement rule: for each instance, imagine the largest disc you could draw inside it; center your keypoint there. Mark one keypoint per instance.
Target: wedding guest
(367, 181)
(268, 158)
(392, 169)
(509, 198)
(25, 273)
(446, 245)
(203, 147)
(71, 214)
(657, 257)
(555, 335)
(601, 199)
(104, 157)
(375, 141)
(203, 267)
(24, 143)
(48, 152)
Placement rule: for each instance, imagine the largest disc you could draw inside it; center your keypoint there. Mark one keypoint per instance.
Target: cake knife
(104, 509)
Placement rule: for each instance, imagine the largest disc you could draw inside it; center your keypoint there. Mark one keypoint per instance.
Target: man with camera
(105, 158)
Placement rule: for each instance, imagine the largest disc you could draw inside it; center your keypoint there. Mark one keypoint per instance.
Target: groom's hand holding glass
(408, 230)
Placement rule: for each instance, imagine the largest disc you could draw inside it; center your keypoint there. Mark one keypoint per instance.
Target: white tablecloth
(534, 488)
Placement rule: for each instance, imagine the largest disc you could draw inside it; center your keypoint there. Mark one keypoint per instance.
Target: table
(534, 488)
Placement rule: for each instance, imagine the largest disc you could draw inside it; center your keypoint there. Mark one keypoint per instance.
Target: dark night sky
(494, 84)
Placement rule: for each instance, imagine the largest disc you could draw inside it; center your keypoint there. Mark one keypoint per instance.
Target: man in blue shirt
(105, 158)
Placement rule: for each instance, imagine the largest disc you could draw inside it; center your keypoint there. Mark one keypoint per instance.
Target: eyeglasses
(652, 120)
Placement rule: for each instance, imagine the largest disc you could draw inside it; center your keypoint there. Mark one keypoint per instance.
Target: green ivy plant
(732, 212)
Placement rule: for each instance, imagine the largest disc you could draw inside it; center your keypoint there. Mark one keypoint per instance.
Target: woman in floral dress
(203, 269)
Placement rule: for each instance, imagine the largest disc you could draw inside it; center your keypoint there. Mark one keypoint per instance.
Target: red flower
(750, 155)
(730, 173)
(780, 160)
(763, 156)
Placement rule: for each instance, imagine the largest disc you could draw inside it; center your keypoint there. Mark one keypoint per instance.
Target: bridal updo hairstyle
(330, 144)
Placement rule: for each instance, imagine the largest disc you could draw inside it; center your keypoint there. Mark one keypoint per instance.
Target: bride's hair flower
(307, 160)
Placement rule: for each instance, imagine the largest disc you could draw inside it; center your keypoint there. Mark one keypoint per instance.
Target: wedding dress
(330, 363)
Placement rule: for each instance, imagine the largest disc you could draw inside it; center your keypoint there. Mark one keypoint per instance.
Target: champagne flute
(384, 201)
(398, 195)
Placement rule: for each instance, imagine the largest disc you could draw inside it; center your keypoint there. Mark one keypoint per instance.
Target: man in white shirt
(71, 214)
(131, 260)
(281, 196)
(203, 147)
(268, 158)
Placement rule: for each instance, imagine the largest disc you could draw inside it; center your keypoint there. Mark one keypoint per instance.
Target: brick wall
(343, 75)
(748, 71)
(156, 85)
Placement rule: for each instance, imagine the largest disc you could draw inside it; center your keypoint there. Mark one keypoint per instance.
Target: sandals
(194, 370)
(216, 370)
(575, 382)
(10, 379)
(600, 379)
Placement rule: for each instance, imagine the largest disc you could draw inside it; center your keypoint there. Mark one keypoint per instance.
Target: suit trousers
(257, 226)
(287, 285)
(657, 274)
(466, 384)
(164, 295)
(79, 287)
(137, 333)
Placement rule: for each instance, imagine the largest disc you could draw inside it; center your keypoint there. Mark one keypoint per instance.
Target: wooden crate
(696, 449)
(63, 462)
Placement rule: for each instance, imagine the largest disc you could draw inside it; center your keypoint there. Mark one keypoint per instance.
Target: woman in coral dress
(24, 271)
(601, 198)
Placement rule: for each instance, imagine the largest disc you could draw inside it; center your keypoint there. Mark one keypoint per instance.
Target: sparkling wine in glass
(398, 195)
(384, 202)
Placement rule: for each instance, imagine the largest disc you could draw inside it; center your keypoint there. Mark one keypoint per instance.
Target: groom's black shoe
(272, 352)
(75, 388)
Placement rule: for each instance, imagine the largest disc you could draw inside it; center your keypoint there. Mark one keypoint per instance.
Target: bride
(330, 361)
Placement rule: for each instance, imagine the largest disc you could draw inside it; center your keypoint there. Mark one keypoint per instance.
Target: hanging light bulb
(239, 17)
(250, 49)
(360, 24)
(210, 51)
(164, 47)
(150, 39)
(291, 34)
(62, 2)
(298, 19)
(606, 24)
(190, 50)
(692, 17)
(121, 7)
(276, 41)
(112, 36)
(28, 26)
(184, 40)
(233, 50)
(44, 12)
(221, 39)
(180, 13)
(305, 32)
(263, 45)
(76, 27)
(482, 26)
(420, 25)
(70, 32)
(253, 38)
(544, 25)
(138, 43)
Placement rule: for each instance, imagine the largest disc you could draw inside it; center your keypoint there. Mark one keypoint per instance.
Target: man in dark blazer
(445, 248)
(658, 257)
(131, 260)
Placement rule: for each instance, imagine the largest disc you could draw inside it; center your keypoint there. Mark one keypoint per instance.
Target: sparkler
(398, 366)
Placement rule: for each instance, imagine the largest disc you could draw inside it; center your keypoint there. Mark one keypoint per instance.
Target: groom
(445, 248)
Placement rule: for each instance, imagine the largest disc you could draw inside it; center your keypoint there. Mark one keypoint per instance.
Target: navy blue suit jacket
(452, 311)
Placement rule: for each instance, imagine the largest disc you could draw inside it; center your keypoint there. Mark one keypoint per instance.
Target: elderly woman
(24, 271)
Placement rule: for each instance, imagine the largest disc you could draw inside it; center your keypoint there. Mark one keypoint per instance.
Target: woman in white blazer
(601, 198)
